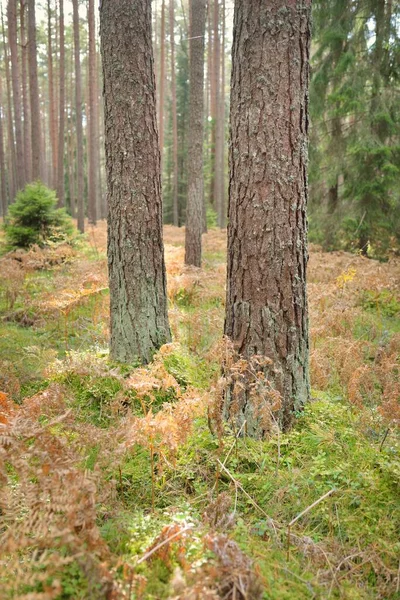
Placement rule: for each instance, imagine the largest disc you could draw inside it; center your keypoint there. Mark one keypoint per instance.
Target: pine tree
(139, 320)
(36, 137)
(61, 119)
(78, 115)
(16, 88)
(266, 305)
(25, 93)
(194, 210)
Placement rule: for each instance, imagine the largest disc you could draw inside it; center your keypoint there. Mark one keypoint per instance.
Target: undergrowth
(119, 481)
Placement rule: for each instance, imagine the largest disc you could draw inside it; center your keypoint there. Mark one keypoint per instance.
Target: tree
(162, 84)
(175, 207)
(194, 210)
(139, 319)
(34, 93)
(93, 120)
(25, 94)
(16, 88)
(61, 120)
(3, 185)
(12, 179)
(354, 200)
(52, 103)
(219, 181)
(78, 114)
(266, 306)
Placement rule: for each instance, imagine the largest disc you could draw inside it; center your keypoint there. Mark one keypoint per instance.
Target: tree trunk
(220, 134)
(162, 85)
(52, 102)
(25, 94)
(138, 299)
(71, 128)
(12, 179)
(215, 90)
(194, 210)
(16, 87)
(34, 93)
(61, 121)
(3, 184)
(93, 170)
(78, 118)
(266, 307)
(174, 116)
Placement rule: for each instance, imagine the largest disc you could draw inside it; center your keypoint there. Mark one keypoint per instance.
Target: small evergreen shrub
(35, 219)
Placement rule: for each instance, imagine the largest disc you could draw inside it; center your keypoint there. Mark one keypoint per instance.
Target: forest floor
(119, 481)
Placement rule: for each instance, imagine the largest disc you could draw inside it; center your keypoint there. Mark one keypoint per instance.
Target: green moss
(92, 396)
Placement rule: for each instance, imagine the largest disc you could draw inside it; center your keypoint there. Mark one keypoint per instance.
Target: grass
(149, 485)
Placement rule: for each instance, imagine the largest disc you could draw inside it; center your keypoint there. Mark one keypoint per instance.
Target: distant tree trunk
(194, 210)
(162, 84)
(218, 131)
(103, 195)
(52, 101)
(78, 118)
(174, 116)
(71, 128)
(215, 90)
(93, 168)
(220, 171)
(61, 120)
(266, 307)
(138, 299)
(16, 87)
(34, 93)
(25, 94)
(3, 182)
(12, 179)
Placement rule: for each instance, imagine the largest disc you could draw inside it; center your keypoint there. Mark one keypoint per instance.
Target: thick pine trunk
(16, 87)
(139, 320)
(266, 307)
(34, 93)
(194, 210)
(78, 115)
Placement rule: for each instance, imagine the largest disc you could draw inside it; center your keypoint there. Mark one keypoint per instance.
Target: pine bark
(16, 88)
(61, 118)
(138, 299)
(25, 93)
(78, 118)
(34, 93)
(93, 169)
(194, 210)
(266, 307)
(174, 116)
